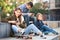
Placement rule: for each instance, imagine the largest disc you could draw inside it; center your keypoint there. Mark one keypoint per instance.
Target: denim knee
(14, 28)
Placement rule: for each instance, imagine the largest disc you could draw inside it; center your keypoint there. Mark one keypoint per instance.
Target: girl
(17, 21)
(40, 25)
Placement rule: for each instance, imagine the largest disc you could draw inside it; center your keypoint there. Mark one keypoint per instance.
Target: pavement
(14, 38)
(57, 29)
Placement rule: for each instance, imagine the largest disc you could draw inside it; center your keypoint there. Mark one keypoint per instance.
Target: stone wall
(53, 24)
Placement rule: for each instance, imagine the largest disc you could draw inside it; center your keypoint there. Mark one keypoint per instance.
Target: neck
(39, 20)
(16, 16)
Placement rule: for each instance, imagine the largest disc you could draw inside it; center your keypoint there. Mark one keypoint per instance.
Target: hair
(19, 15)
(17, 9)
(38, 15)
(30, 3)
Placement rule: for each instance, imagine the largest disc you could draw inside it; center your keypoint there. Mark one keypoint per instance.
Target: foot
(27, 37)
(43, 37)
(56, 33)
(36, 34)
(45, 33)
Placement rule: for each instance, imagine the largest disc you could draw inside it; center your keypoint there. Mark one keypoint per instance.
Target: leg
(49, 29)
(32, 27)
(26, 17)
(15, 29)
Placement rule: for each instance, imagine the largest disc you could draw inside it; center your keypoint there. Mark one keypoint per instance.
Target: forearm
(13, 22)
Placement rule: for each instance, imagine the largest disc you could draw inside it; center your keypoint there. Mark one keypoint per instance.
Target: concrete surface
(49, 37)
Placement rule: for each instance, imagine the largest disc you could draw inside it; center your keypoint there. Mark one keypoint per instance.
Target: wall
(4, 30)
(53, 24)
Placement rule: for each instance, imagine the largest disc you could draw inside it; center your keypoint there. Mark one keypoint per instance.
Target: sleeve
(22, 19)
(23, 24)
(21, 7)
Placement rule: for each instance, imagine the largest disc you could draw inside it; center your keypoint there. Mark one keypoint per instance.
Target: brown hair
(19, 15)
(37, 15)
(30, 3)
(17, 9)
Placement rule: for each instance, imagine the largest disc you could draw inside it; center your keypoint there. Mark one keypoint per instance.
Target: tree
(38, 8)
(7, 6)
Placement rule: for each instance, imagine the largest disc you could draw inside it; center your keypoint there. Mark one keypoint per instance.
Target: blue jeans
(28, 29)
(26, 18)
(46, 29)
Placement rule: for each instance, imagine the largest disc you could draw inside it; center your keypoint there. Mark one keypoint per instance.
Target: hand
(17, 23)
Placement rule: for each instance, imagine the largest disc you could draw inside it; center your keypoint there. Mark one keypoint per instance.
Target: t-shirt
(23, 8)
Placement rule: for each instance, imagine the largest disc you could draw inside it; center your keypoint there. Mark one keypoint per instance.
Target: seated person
(40, 25)
(18, 24)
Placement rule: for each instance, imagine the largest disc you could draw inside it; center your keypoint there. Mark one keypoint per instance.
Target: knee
(32, 25)
(14, 27)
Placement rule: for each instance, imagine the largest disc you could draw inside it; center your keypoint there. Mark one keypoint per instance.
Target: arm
(12, 22)
(45, 23)
(22, 19)
(22, 24)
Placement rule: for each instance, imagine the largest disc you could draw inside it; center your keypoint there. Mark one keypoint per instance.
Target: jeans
(26, 17)
(46, 29)
(28, 29)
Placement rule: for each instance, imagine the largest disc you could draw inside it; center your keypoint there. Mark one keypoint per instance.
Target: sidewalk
(35, 38)
(57, 29)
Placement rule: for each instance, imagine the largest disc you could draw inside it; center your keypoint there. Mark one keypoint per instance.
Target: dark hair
(17, 9)
(30, 3)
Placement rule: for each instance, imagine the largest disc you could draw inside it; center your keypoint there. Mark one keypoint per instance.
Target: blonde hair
(37, 15)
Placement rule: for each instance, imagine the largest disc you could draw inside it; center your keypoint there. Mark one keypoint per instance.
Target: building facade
(54, 8)
(37, 1)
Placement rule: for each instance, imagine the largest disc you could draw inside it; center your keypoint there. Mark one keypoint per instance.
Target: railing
(52, 17)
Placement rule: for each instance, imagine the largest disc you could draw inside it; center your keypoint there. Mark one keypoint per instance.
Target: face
(18, 13)
(28, 6)
(40, 17)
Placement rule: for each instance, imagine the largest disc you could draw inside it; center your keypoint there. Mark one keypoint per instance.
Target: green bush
(6, 8)
(37, 9)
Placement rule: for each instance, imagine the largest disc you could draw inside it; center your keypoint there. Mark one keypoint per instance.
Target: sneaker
(56, 33)
(45, 33)
(36, 34)
(43, 37)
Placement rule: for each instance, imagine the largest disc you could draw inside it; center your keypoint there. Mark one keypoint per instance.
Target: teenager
(18, 24)
(40, 25)
(26, 7)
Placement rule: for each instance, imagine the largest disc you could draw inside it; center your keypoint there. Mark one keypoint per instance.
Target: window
(57, 3)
